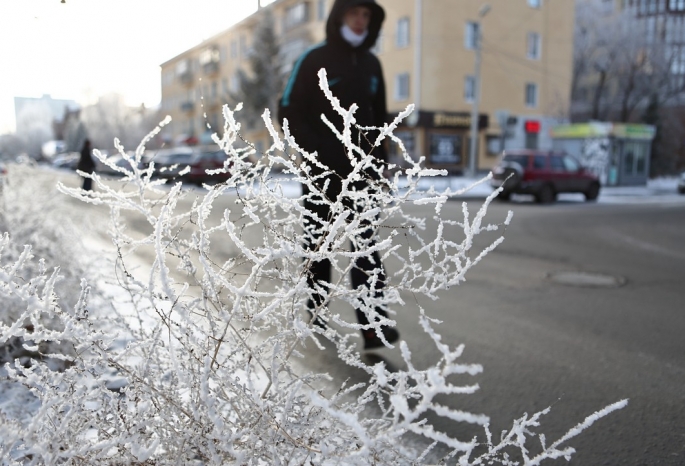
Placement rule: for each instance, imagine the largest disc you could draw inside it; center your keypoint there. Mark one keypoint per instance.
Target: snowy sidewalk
(658, 187)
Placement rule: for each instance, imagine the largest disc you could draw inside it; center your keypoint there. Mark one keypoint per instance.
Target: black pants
(361, 273)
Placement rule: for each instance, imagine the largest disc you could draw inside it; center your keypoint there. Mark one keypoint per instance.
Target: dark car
(544, 175)
(170, 163)
(189, 164)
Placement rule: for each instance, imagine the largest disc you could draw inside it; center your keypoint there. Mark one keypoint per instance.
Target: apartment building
(427, 48)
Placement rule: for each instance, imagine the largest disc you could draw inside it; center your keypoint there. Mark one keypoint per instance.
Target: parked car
(68, 160)
(544, 175)
(118, 160)
(207, 158)
(681, 183)
(170, 163)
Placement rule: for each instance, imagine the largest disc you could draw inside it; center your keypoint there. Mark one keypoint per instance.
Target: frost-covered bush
(210, 342)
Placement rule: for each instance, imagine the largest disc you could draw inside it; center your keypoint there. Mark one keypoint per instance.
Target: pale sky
(82, 49)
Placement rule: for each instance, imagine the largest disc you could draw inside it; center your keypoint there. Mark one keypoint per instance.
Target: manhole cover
(586, 279)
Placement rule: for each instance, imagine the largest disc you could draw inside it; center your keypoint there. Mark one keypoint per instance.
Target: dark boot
(371, 339)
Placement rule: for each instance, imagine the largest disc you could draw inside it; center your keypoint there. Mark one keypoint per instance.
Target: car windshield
(173, 158)
(218, 155)
(519, 159)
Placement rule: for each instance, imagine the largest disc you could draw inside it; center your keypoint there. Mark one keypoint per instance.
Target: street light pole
(476, 94)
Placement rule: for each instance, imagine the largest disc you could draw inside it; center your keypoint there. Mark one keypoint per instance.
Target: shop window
(445, 148)
(408, 140)
(635, 159)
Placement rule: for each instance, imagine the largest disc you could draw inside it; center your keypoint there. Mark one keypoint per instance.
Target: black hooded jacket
(354, 76)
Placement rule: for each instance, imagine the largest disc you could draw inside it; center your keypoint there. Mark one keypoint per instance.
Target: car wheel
(512, 175)
(592, 192)
(546, 195)
(504, 195)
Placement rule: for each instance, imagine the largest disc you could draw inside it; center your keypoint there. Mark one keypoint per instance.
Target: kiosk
(618, 153)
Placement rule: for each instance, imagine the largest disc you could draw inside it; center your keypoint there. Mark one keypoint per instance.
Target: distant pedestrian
(86, 164)
(354, 76)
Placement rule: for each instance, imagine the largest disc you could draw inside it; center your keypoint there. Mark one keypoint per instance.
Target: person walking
(86, 164)
(355, 76)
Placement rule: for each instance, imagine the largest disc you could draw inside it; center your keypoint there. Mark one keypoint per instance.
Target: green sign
(599, 129)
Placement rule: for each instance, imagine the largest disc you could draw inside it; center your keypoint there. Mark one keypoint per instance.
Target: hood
(335, 21)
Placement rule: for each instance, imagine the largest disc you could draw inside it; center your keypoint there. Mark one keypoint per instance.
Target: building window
(378, 46)
(535, 3)
(290, 51)
(402, 86)
(471, 35)
(531, 95)
(235, 83)
(470, 88)
(533, 46)
(677, 59)
(676, 5)
(243, 46)
(402, 39)
(321, 10)
(296, 15)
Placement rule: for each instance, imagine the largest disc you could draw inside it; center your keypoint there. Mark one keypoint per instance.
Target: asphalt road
(575, 348)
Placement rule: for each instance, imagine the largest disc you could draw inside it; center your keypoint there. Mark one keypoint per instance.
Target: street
(576, 347)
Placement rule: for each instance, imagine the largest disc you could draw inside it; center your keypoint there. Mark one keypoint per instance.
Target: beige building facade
(428, 50)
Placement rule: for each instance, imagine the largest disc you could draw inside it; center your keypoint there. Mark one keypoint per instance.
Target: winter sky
(82, 49)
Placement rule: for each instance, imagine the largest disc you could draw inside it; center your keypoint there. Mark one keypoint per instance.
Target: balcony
(209, 60)
(210, 68)
(186, 77)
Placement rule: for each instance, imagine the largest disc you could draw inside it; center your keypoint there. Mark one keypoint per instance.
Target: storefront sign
(447, 120)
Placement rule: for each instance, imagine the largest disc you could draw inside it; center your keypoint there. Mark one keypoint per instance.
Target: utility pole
(476, 93)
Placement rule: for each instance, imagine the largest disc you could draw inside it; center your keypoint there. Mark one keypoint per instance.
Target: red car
(207, 158)
(544, 175)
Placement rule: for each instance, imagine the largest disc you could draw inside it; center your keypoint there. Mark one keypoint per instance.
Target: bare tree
(261, 85)
(111, 118)
(621, 61)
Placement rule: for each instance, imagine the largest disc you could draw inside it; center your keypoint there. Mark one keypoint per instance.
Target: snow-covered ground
(17, 401)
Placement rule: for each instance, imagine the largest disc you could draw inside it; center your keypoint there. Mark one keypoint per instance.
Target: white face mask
(354, 39)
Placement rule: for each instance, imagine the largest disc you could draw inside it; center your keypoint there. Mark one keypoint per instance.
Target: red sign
(532, 126)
